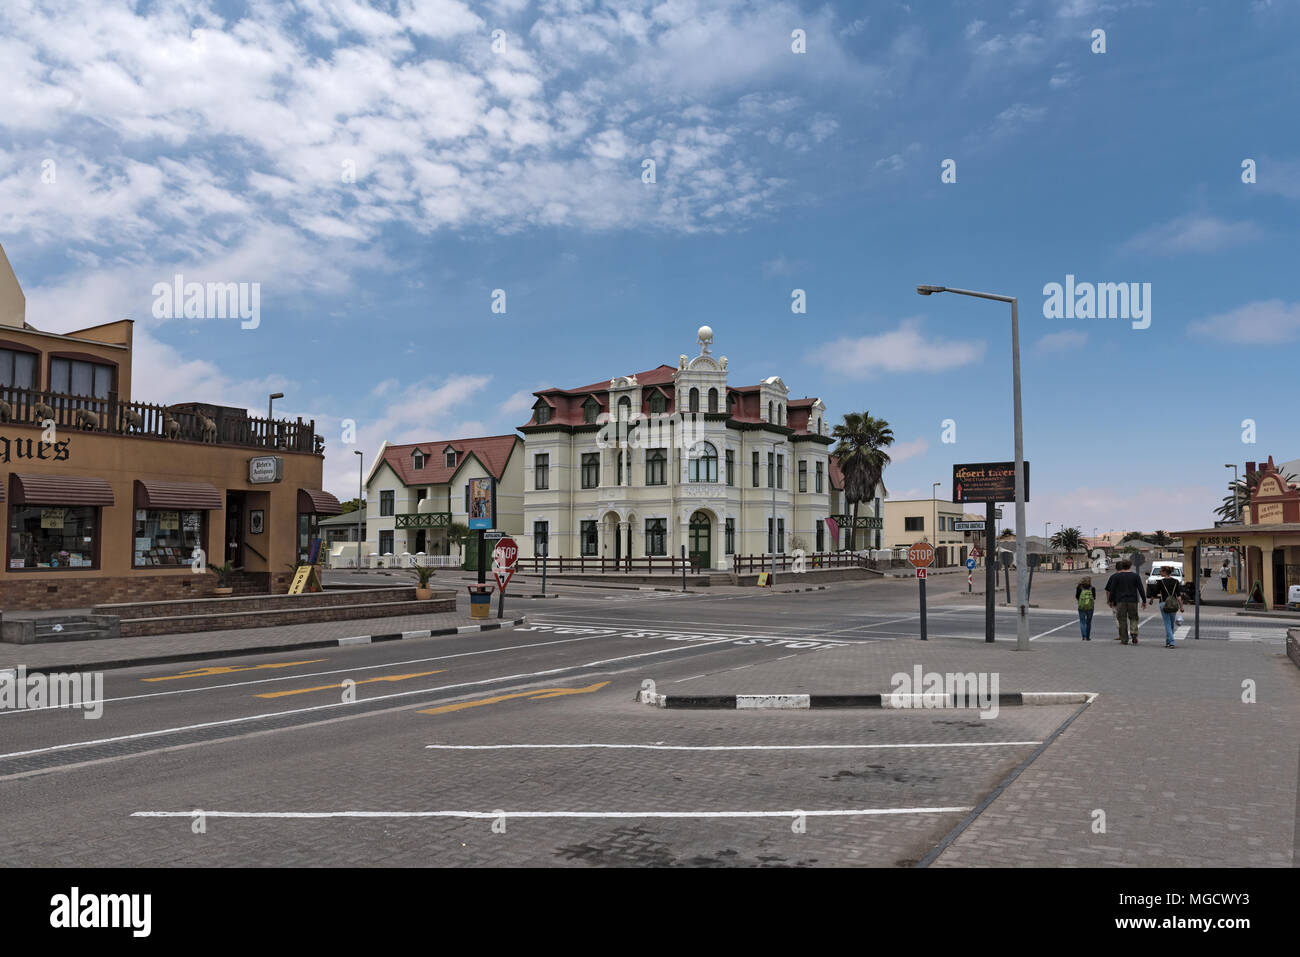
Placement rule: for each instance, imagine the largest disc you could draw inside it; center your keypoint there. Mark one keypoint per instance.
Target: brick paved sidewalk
(1186, 774)
(119, 652)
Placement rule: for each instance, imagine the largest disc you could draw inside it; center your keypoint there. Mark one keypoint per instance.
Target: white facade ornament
(705, 336)
(722, 363)
(681, 361)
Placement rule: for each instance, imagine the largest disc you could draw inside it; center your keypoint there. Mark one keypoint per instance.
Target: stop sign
(505, 554)
(921, 555)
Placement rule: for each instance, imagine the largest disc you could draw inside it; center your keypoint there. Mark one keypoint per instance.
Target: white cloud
(1257, 323)
(1193, 233)
(1060, 342)
(903, 349)
(902, 451)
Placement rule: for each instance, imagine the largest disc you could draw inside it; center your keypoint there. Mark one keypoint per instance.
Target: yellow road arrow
(536, 694)
(210, 670)
(364, 681)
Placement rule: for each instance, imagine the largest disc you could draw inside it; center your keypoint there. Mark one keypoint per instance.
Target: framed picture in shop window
(256, 521)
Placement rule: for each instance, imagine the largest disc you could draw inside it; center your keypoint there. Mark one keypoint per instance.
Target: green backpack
(1085, 600)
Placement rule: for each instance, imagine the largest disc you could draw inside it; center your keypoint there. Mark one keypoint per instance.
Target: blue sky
(215, 140)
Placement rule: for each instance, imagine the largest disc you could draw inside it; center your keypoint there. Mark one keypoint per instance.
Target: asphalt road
(525, 746)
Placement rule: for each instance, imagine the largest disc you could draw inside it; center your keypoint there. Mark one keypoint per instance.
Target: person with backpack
(1124, 590)
(1085, 595)
(1168, 592)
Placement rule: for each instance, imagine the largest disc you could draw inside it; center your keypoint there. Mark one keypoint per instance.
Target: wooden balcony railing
(82, 413)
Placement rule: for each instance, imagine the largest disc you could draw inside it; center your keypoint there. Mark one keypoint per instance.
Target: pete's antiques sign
(24, 448)
(265, 468)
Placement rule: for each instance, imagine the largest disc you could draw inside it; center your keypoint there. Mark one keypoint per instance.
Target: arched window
(624, 408)
(770, 416)
(590, 409)
(543, 413)
(695, 400)
(713, 400)
(819, 425)
(658, 404)
(704, 463)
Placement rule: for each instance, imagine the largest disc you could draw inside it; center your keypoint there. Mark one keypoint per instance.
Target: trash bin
(480, 601)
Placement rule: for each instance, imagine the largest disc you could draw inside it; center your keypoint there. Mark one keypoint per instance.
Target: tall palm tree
(1069, 540)
(860, 443)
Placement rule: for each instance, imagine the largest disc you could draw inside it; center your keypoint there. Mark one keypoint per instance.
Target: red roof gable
(837, 475)
(493, 451)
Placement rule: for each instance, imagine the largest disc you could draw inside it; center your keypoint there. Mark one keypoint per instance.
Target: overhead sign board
(968, 526)
(265, 468)
(987, 482)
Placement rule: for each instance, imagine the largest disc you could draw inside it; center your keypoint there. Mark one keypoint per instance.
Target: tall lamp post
(1022, 585)
(1236, 513)
(361, 461)
(934, 501)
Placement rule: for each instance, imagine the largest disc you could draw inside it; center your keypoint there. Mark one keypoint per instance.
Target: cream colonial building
(643, 464)
(414, 492)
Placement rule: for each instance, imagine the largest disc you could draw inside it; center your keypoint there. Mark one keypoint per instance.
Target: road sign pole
(990, 571)
(501, 601)
(1196, 594)
(683, 568)
(921, 582)
(545, 548)
(482, 558)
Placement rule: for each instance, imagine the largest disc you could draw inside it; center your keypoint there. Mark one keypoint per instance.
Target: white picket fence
(389, 560)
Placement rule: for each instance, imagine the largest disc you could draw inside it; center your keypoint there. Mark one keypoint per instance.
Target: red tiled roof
(836, 474)
(493, 451)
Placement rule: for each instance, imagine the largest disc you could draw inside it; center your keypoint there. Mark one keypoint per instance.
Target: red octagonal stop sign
(504, 557)
(921, 555)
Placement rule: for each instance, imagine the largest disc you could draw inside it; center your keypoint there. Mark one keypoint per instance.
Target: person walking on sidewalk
(1124, 590)
(1085, 595)
(1168, 592)
(1224, 572)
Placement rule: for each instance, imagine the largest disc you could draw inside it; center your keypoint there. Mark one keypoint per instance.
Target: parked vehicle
(1185, 587)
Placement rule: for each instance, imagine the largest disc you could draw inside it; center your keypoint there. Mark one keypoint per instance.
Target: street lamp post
(361, 461)
(1236, 514)
(1022, 587)
(934, 501)
(270, 405)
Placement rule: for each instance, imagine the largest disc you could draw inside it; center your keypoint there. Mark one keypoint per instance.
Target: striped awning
(313, 501)
(150, 494)
(60, 490)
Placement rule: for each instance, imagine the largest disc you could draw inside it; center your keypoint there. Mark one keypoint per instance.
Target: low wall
(1293, 645)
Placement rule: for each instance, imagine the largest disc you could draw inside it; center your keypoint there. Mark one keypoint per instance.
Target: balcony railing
(76, 413)
(422, 519)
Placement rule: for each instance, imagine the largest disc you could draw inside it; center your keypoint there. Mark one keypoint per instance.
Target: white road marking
(341, 704)
(310, 674)
(734, 747)
(1057, 628)
(495, 815)
(1181, 631)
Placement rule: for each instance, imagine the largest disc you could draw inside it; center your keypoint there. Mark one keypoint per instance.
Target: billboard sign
(482, 503)
(987, 482)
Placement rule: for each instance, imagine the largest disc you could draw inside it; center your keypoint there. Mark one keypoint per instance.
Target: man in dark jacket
(1123, 592)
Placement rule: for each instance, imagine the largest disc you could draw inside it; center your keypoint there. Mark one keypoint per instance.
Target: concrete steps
(32, 630)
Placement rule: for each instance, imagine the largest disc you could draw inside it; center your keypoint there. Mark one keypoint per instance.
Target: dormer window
(590, 409)
(658, 404)
(451, 458)
(417, 460)
(625, 409)
(542, 412)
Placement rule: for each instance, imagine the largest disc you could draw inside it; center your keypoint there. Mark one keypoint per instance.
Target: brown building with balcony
(109, 499)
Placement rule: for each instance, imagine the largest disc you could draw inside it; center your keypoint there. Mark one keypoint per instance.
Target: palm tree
(1239, 493)
(457, 532)
(860, 443)
(1069, 540)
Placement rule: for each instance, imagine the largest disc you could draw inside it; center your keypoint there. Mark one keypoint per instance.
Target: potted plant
(422, 591)
(223, 573)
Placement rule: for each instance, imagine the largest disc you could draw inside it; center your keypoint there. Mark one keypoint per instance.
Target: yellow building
(109, 499)
(910, 520)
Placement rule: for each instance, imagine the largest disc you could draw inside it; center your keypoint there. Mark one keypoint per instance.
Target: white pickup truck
(1176, 572)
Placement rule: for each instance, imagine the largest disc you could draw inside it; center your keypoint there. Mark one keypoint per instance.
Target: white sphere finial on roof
(705, 336)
